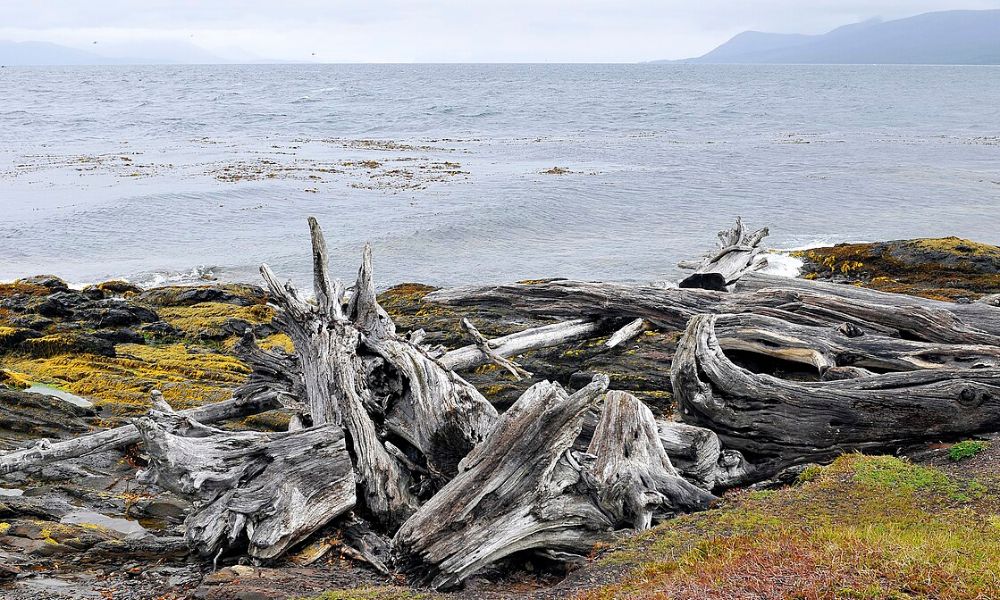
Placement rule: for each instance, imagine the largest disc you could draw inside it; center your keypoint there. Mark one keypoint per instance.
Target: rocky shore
(73, 361)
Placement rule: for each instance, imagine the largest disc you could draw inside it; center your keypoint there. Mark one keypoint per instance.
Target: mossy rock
(941, 268)
(186, 295)
(66, 343)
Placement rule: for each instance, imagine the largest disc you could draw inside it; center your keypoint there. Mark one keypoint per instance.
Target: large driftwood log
(672, 308)
(270, 489)
(738, 253)
(981, 316)
(828, 347)
(519, 489)
(776, 423)
(634, 477)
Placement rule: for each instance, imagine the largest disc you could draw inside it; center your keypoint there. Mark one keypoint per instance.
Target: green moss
(810, 473)
(966, 449)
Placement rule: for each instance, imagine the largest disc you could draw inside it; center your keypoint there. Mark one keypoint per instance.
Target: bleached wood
(738, 253)
(626, 333)
(483, 344)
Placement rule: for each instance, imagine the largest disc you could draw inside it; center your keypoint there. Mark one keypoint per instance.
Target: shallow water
(48, 390)
(177, 173)
(114, 523)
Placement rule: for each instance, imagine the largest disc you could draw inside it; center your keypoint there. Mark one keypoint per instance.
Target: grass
(966, 449)
(862, 528)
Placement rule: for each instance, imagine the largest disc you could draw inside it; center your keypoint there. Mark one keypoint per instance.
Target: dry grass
(865, 527)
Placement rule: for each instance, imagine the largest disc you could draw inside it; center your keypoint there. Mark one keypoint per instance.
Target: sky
(441, 30)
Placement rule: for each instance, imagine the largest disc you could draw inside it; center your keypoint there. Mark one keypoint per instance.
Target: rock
(163, 506)
(161, 329)
(32, 321)
(50, 281)
(117, 287)
(180, 295)
(8, 572)
(11, 337)
(67, 343)
(26, 415)
(121, 336)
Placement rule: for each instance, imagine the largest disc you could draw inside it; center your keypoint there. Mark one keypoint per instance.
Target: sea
(462, 174)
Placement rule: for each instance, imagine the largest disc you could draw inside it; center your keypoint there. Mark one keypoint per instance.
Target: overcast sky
(443, 30)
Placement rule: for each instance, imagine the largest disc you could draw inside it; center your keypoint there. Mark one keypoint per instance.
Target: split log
(271, 489)
(738, 253)
(520, 489)
(830, 347)
(634, 477)
(698, 456)
(776, 423)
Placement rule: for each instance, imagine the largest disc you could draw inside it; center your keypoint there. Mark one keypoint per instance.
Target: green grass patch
(966, 449)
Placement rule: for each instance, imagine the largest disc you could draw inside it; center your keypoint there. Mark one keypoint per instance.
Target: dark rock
(29, 415)
(11, 338)
(161, 329)
(117, 287)
(50, 281)
(121, 336)
(177, 295)
(32, 321)
(164, 506)
(67, 343)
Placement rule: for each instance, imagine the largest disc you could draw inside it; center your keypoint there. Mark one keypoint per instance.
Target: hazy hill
(44, 53)
(950, 37)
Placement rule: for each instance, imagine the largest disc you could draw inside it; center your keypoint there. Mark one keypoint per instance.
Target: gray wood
(775, 422)
(268, 490)
(738, 253)
(698, 456)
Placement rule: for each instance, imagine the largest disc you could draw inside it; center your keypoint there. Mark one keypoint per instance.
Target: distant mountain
(44, 53)
(960, 37)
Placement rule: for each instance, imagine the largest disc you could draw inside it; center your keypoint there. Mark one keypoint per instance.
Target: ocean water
(178, 173)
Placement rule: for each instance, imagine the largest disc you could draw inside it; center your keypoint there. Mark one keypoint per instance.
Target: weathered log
(276, 381)
(255, 399)
(521, 488)
(982, 316)
(698, 456)
(828, 347)
(626, 333)
(738, 253)
(776, 423)
(634, 477)
(672, 308)
(480, 341)
(273, 489)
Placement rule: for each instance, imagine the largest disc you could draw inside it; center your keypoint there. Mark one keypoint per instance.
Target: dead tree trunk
(634, 476)
(698, 456)
(738, 253)
(270, 489)
(519, 489)
(776, 423)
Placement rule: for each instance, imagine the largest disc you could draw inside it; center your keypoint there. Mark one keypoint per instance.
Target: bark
(271, 490)
(520, 489)
(738, 253)
(776, 423)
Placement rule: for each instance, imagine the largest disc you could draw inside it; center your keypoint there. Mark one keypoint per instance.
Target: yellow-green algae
(864, 527)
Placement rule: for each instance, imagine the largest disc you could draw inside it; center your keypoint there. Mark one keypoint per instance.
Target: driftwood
(271, 490)
(626, 333)
(738, 253)
(520, 489)
(776, 423)
(524, 488)
(698, 456)
(829, 347)
(634, 477)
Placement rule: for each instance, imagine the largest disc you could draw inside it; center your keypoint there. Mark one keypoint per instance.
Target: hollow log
(738, 253)
(520, 489)
(271, 489)
(633, 475)
(776, 423)
(828, 347)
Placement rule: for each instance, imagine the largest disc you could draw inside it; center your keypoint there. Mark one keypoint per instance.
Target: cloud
(446, 30)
